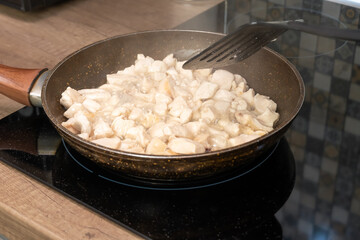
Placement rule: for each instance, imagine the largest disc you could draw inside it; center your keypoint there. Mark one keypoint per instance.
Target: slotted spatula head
(235, 47)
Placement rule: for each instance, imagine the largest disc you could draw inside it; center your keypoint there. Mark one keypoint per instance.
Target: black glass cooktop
(321, 148)
(242, 205)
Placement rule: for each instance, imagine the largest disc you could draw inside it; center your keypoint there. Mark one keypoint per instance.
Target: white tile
(340, 215)
(331, 9)
(316, 130)
(304, 59)
(354, 92)
(326, 46)
(342, 70)
(322, 220)
(318, 114)
(305, 227)
(308, 200)
(322, 81)
(259, 9)
(311, 173)
(357, 55)
(294, 3)
(294, 196)
(329, 166)
(308, 41)
(351, 3)
(280, 2)
(355, 207)
(352, 125)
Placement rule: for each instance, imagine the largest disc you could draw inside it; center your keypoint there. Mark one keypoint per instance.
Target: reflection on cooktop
(235, 208)
(242, 207)
(123, 179)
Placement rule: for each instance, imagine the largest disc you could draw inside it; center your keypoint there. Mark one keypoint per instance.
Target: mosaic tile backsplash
(325, 137)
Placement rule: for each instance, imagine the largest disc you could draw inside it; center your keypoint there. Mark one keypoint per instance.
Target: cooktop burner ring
(142, 185)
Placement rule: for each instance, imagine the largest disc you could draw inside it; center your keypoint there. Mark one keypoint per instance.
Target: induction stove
(241, 205)
(306, 187)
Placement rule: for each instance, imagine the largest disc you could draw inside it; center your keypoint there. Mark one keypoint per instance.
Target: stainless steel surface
(35, 92)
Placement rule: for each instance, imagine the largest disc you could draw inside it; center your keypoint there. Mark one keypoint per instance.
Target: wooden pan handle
(16, 83)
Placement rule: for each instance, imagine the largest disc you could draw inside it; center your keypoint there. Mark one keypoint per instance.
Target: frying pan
(267, 72)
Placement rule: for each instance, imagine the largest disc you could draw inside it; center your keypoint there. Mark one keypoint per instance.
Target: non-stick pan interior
(87, 68)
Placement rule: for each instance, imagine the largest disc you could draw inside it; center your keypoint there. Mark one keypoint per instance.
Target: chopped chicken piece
(203, 138)
(157, 131)
(69, 125)
(185, 146)
(113, 142)
(120, 111)
(157, 107)
(136, 114)
(70, 96)
(177, 106)
(99, 95)
(146, 84)
(186, 115)
(239, 104)
(158, 147)
(224, 95)
(218, 141)
(84, 136)
(102, 129)
(206, 90)
(158, 66)
(208, 114)
(223, 79)
(249, 96)
(262, 102)
(131, 145)
(162, 98)
(165, 87)
(118, 79)
(142, 64)
(196, 127)
(177, 131)
(242, 138)
(139, 134)
(91, 105)
(70, 112)
(233, 129)
(121, 126)
(268, 117)
(160, 109)
(222, 107)
(81, 123)
(169, 60)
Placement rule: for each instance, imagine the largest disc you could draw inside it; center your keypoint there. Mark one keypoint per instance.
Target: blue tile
(340, 87)
(349, 155)
(345, 51)
(324, 64)
(313, 159)
(333, 135)
(353, 109)
(315, 146)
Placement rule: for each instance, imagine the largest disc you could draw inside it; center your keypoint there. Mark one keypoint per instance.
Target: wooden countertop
(29, 209)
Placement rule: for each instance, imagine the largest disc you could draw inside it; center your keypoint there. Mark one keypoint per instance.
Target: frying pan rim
(143, 156)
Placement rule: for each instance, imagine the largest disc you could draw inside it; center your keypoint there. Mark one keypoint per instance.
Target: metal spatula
(250, 38)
